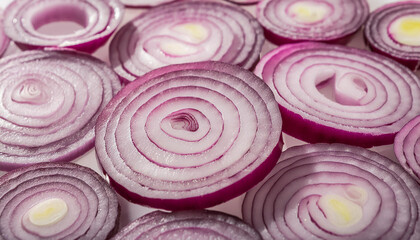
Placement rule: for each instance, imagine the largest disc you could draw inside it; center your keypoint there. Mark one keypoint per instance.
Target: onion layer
(144, 3)
(186, 31)
(394, 30)
(56, 201)
(50, 101)
(192, 224)
(189, 136)
(332, 93)
(311, 20)
(93, 22)
(334, 192)
(407, 147)
(4, 40)
(245, 2)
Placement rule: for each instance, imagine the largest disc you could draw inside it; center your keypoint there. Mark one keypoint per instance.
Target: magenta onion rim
(189, 224)
(289, 203)
(380, 39)
(93, 209)
(50, 101)
(372, 96)
(98, 19)
(180, 126)
(407, 147)
(342, 19)
(202, 30)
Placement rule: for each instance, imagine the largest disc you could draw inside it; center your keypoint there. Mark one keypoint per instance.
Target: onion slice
(288, 21)
(189, 136)
(333, 93)
(56, 201)
(50, 101)
(189, 224)
(84, 25)
(334, 191)
(144, 3)
(394, 30)
(186, 31)
(407, 147)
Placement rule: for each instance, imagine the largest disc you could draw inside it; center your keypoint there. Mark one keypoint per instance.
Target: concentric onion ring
(332, 93)
(334, 191)
(186, 31)
(49, 103)
(394, 30)
(244, 1)
(189, 136)
(311, 20)
(407, 147)
(192, 224)
(97, 19)
(56, 201)
(144, 3)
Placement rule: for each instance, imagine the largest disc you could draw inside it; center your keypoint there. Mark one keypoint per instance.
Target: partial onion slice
(332, 93)
(192, 224)
(4, 40)
(394, 30)
(56, 201)
(144, 3)
(407, 147)
(335, 191)
(50, 101)
(186, 31)
(311, 20)
(189, 136)
(79, 24)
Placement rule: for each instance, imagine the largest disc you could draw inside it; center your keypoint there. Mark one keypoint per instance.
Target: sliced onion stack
(333, 93)
(192, 224)
(311, 20)
(50, 101)
(189, 136)
(407, 147)
(144, 3)
(93, 22)
(56, 201)
(335, 191)
(186, 31)
(394, 30)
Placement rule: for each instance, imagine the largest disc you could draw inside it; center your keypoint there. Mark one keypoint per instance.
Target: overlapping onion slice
(407, 147)
(93, 22)
(56, 201)
(186, 31)
(334, 191)
(311, 20)
(189, 136)
(190, 224)
(50, 101)
(333, 93)
(394, 30)
(144, 3)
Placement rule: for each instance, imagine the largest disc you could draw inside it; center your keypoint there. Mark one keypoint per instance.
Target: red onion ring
(49, 103)
(98, 19)
(407, 147)
(144, 3)
(186, 31)
(334, 192)
(174, 138)
(380, 38)
(244, 2)
(192, 224)
(286, 21)
(91, 205)
(372, 97)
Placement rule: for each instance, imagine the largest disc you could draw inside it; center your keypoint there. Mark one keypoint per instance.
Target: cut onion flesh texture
(332, 93)
(4, 40)
(144, 3)
(189, 136)
(334, 191)
(78, 24)
(394, 30)
(56, 201)
(186, 31)
(311, 20)
(190, 224)
(50, 101)
(407, 147)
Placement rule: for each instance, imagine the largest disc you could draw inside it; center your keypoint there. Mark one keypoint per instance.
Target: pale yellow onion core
(308, 11)
(48, 212)
(340, 211)
(406, 30)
